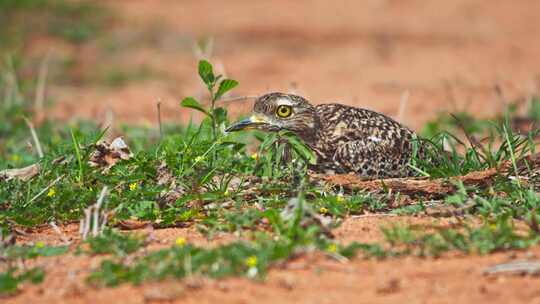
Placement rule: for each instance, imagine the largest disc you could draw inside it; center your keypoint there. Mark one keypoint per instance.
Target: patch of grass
(219, 186)
(11, 276)
(248, 258)
(118, 77)
(459, 121)
(494, 235)
(443, 158)
(11, 279)
(533, 110)
(75, 22)
(13, 253)
(115, 243)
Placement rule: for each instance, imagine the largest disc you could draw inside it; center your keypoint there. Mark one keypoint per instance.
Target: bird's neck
(310, 133)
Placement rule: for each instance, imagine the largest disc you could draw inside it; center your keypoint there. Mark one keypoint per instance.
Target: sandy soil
(310, 279)
(448, 55)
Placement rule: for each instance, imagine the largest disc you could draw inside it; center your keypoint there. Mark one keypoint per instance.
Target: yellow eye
(284, 111)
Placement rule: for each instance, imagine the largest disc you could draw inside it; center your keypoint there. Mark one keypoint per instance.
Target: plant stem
(78, 154)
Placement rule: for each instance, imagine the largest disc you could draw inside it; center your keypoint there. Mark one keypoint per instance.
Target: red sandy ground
(449, 55)
(310, 279)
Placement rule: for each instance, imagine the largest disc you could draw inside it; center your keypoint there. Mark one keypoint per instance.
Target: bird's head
(280, 111)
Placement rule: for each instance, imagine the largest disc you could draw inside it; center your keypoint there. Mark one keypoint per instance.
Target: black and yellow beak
(255, 121)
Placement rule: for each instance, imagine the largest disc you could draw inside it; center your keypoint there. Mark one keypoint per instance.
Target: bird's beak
(255, 121)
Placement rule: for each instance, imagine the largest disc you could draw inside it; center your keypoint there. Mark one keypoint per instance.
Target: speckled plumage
(345, 139)
(365, 142)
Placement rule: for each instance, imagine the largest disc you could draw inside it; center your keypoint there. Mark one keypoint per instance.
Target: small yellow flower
(199, 158)
(323, 210)
(52, 192)
(40, 244)
(251, 261)
(226, 193)
(332, 248)
(340, 198)
(255, 156)
(133, 186)
(180, 242)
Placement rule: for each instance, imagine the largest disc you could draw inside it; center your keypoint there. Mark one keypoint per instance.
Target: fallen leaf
(108, 154)
(164, 175)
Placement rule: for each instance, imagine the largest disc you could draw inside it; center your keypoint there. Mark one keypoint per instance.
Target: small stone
(390, 286)
(161, 292)
(287, 282)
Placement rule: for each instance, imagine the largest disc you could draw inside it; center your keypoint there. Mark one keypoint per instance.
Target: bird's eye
(284, 111)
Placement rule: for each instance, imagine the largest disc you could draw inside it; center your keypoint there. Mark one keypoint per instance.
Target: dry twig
(434, 188)
(402, 106)
(39, 100)
(159, 118)
(34, 137)
(94, 218)
(44, 190)
(62, 236)
(515, 268)
(24, 174)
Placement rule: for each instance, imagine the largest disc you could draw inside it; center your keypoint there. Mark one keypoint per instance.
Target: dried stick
(44, 190)
(159, 118)
(63, 237)
(108, 122)
(237, 98)
(374, 215)
(517, 267)
(34, 137)
(82, 225)
(95, 228)
(402, 106)
(23, 174)
(87, 221)
(429, 188)
(39, 100)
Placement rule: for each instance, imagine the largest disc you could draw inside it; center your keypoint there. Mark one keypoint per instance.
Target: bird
(344, 139)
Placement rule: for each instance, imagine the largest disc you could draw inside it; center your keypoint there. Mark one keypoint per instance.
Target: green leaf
(34, 275)
(225, 86)
(192, 103)
(304, 151)
(236, 146)
(206, 72)
(220, 114)
(8, 283)
(52, 251)
(267, 141)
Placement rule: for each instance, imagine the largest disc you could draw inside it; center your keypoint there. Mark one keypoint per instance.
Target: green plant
(251, 259)
(11, 279)
(114, 242)
(217, 87)
(196, 174)
(13, 276)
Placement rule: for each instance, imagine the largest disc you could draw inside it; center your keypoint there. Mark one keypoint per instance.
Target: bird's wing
(364, 141)
(371, 158)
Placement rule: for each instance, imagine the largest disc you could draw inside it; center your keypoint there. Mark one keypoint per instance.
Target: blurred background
(411, 59)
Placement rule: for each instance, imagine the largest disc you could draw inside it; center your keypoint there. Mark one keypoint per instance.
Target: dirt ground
(310, 279)
(448, 56)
